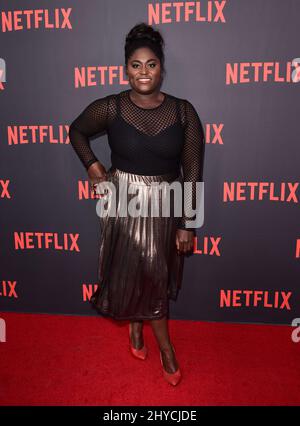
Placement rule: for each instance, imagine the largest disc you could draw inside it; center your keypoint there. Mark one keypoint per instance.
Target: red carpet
(79, 360)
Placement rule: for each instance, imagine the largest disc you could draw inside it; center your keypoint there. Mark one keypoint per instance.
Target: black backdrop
(233, 60)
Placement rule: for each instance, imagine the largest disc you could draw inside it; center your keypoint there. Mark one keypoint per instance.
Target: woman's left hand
(184, 240)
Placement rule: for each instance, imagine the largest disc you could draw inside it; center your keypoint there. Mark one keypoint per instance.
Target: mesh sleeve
(192, 160)
(91, 121)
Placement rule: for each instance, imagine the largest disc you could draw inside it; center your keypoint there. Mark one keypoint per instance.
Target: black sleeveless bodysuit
(145, 141)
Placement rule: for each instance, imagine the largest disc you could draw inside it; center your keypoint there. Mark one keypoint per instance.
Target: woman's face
(144, 70)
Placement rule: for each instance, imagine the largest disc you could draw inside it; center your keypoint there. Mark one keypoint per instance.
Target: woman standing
(152, 135)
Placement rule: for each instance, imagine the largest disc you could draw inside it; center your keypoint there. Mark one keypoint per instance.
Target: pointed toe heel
(137, 353)
(172, 378)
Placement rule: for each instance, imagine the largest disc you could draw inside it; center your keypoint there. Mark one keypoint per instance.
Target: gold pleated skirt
(139, 268)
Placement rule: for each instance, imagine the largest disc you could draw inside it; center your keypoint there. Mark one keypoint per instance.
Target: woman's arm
(91, 121)
(192, 161)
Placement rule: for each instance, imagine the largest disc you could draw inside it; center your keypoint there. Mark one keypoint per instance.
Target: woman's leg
(160, 330)
(137, 338)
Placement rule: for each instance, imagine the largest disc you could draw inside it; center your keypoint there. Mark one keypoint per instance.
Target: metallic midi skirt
(139, 268)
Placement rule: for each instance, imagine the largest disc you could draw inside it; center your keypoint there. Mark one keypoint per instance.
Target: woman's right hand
(184, 240)
(96, 173)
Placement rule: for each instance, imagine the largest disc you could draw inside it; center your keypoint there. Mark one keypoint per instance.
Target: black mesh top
(146, 141)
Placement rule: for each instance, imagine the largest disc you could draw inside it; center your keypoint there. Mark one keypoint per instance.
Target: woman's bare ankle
(137, 335)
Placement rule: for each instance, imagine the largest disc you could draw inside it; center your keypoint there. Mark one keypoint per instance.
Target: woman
(152, 135)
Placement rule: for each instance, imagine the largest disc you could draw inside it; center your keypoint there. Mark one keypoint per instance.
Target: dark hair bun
(144, 31)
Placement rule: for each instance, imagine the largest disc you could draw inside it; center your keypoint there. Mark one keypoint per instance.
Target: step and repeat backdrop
(237, 62)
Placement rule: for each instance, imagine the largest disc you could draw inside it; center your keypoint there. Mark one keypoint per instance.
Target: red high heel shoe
(137, 353)
(172, 378)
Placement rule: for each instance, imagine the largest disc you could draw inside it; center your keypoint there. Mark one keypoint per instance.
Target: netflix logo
(4, 191)
(46, 240)
(8, 289)
(259, 72)
(207, 246)
(255, 298)
(36, 134)
(284, 192)
(33, 19)
(88, 290)
(211, 11)
(298, 248)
